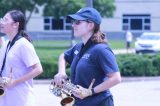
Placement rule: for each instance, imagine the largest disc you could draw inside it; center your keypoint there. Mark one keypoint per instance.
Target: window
(136, 22)
(56, 24)
(47, 23)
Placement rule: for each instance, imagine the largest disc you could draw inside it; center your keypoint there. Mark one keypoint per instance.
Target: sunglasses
(77, 22)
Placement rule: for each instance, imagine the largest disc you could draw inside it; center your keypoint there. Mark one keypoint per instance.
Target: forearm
(61, 64)
(36, 70)
(113, 80)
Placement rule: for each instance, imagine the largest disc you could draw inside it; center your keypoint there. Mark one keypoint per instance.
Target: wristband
(93, 92)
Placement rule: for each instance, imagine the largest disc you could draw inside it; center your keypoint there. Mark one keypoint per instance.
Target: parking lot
(128, 93)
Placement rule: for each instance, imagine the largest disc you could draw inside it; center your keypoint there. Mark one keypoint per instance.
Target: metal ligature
(65, 91)
(3, 82)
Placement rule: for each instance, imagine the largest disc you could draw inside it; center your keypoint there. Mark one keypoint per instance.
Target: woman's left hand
(81, 92)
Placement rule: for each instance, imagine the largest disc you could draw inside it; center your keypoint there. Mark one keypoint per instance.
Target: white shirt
(20, 58)
(128, 36)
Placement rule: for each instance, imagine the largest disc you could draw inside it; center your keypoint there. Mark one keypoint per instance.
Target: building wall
(132, 7)
(137, 7)
(35, 24)
(111, 24)
(114, 24)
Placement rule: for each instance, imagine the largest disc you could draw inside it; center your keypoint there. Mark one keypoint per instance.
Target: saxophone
(3, 82)
(65, 91)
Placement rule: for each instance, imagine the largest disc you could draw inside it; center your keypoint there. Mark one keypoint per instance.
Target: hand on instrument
(81, 92)
(59, 79)
(10, 84)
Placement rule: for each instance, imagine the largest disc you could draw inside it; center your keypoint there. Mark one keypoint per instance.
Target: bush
(138, 65)
(129, 65)
(156, 64)
(49, 68)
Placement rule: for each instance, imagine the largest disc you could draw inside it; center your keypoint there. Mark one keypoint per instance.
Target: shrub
(129, 65)
(156, 64)
(137, 65)
(49, 68)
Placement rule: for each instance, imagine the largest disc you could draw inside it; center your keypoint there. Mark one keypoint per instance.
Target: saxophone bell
(63, 92)
(1, 91)
(3, 82)
(67, 101)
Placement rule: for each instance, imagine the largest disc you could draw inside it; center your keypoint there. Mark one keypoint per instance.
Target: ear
(91, 25)
(16, 25)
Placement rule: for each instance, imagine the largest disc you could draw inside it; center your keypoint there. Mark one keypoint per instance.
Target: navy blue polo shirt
(96, 62)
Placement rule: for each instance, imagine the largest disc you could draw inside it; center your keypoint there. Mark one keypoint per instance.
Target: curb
(130, 79)
(124, 79)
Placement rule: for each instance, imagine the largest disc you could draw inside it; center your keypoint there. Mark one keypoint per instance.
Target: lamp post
(89, 3)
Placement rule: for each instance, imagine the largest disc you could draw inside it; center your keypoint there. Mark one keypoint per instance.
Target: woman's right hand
(59, 78)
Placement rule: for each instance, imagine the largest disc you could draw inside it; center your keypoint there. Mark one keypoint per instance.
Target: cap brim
(76, 17)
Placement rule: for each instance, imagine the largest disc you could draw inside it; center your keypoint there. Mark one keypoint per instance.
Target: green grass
(51, 49)
(118, 44)
(52, 43)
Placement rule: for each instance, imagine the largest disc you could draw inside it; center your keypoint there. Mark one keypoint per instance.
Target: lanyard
(83, 49)
(9, 45)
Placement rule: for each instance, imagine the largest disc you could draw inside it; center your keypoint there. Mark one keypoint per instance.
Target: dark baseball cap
(87, 13)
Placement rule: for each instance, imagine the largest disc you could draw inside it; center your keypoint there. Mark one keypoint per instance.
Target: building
(136, 15)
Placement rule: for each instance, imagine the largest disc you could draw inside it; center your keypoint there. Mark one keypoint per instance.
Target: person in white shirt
(129, 38)
(19, 56)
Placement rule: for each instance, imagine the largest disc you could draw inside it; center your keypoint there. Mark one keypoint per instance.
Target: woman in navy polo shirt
(90, 59)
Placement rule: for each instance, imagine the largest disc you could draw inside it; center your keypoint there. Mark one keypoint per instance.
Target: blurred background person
(129, 38)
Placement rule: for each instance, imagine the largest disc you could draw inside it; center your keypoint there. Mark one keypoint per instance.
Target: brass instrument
(65, 91)
(3, 82)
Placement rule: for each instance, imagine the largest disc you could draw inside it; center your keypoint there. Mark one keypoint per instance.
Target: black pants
(107, 102)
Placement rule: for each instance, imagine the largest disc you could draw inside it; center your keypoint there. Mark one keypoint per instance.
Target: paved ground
(140, 92)
(123, 51)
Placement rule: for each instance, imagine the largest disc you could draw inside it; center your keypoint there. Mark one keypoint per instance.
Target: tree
(106, 7)
(23, 5)
(58, 8)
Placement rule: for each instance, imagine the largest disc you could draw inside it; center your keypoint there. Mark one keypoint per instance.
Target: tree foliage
(106, 7)
(59, 8)
(56, 8)
(23, 5)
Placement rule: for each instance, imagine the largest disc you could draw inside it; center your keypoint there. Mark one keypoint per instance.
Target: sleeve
(69, 54)
(28, 54)
(107, 61)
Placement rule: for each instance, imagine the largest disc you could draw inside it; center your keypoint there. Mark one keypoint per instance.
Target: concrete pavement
(130, 92)
(123, 51)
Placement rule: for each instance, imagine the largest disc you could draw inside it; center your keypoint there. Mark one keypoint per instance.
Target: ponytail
(25, 35)
(98, 36)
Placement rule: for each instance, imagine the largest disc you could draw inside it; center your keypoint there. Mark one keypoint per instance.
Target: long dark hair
(18, 16)
(98, 36)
